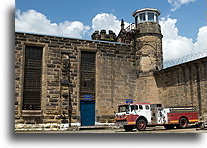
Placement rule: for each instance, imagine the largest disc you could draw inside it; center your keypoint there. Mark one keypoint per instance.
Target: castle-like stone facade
(60, 79)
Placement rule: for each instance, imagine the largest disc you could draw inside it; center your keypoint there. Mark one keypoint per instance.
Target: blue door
(87, 113)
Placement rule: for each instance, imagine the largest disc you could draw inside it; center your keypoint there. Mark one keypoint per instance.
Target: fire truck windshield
(123, 108)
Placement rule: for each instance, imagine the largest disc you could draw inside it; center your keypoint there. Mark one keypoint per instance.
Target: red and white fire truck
(141, 115)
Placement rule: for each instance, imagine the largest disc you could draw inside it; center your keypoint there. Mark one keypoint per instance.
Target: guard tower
(149, 57)
(146, 15)
(146, 36)
(148, 40)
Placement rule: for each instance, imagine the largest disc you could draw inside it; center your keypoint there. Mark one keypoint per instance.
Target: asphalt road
(149, 130)
(118, 131)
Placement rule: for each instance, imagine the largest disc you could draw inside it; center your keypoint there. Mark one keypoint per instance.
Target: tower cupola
(146, 15)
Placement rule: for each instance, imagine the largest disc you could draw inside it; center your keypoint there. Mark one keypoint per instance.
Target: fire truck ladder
(182, 109)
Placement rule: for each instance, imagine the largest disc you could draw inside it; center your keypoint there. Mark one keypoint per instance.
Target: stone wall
(115, 76)
(184, 85)
(149, 58)
(146, 39)
(120, 75)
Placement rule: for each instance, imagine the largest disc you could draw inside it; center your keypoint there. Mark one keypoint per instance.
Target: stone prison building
(81, 82)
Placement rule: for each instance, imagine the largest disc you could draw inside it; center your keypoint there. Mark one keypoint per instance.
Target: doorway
(87, 88)
(87, 113)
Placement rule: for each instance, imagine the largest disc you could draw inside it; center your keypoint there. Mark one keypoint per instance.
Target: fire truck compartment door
(162, 115)
(144, 111)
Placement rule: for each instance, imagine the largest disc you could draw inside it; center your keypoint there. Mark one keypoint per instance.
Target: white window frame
(153, 17)
(146, 17)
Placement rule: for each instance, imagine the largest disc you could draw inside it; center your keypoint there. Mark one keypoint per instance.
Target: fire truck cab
(141, 115)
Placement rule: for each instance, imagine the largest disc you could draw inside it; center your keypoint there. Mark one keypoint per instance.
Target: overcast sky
(183, 22)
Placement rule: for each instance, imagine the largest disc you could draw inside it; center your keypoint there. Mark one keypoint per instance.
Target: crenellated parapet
(102, 35)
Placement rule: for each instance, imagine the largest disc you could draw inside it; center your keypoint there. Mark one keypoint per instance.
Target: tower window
(150, 17)
(142, 17)
(146, 17)
(156, 17)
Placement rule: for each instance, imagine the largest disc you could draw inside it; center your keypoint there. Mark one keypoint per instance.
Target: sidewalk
(96, 127)
(58, 127)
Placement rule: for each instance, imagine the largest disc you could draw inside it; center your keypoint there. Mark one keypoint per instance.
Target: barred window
(32, 78)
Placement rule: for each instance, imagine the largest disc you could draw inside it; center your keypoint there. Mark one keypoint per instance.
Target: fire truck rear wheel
(141, 125)
(183, 123)
(128, 128)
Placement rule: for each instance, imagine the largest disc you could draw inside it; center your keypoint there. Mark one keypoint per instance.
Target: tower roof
(145, 9)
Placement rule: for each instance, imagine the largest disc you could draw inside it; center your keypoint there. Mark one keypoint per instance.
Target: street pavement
(149, 130)
(122, 131)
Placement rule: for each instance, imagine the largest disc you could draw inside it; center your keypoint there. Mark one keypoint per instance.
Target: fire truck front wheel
(141, 125)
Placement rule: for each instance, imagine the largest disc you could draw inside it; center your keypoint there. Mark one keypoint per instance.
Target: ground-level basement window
(32, 78)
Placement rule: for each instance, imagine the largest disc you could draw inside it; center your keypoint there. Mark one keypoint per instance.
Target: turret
(111, 36)
(146, 15)
(148, 40)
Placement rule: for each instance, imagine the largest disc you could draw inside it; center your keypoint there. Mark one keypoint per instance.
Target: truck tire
(169, 126)
(128, 128)
(141, 125)
(183, 123)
